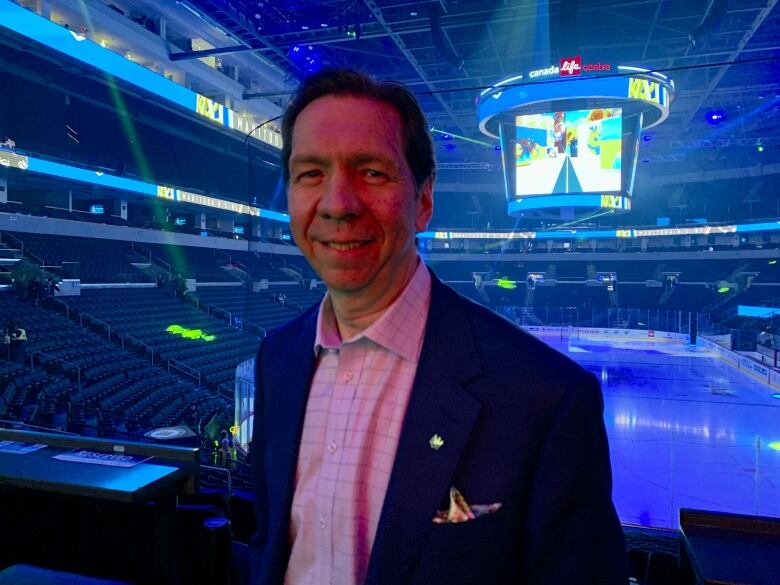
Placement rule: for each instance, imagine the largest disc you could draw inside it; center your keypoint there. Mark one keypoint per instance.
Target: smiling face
(353, 202)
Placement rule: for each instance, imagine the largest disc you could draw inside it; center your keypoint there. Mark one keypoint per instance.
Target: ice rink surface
(686, 430)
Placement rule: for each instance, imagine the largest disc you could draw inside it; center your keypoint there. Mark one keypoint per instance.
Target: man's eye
(374, 175)
(312, 174)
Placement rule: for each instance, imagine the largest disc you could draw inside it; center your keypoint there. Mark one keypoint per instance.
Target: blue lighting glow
(759, 227)
(274, 215)
(715, 117)
(50, 34)
(752, 311)
(54, 36)
(554, 201)
(46, 167)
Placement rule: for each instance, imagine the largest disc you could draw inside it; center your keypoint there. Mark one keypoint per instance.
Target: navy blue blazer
(521, 424)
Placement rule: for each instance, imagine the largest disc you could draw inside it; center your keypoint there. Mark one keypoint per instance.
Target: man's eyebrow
(308, 159)
(367, 158)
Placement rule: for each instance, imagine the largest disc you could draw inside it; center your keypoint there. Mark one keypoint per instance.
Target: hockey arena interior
(605, 175)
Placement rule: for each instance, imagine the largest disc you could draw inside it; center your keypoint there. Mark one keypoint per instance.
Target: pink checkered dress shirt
(353, 420)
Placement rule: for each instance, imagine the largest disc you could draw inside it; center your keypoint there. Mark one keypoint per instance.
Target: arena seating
(202, 264)
(121, 391)
(147, 315)
(257, 308)
(260, 265)
(571, 295)
(639, 296)
(99, 260)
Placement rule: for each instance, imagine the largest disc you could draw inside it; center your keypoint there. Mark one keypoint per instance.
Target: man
(402, 434)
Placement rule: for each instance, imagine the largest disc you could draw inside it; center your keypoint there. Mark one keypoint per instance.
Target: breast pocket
(478, 533)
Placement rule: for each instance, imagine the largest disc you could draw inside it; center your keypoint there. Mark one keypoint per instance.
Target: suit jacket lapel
(439, 405)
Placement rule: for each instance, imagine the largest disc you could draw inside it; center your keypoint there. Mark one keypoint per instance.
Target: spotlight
(760, 147)
(715, 117)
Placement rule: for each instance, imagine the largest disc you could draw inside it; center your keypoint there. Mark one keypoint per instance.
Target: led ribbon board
(22, 162)
(41, 30)
(616, 233)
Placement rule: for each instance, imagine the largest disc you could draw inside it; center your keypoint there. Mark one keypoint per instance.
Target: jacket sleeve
(573, 534)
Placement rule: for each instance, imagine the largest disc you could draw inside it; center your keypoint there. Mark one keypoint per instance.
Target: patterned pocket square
(460, 511)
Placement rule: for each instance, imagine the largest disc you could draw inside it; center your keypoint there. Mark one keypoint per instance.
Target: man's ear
(424, 205)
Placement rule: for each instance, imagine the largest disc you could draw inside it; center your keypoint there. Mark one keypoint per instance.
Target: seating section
(692, 297)
(571, 295)
(78, 379)
(300, 263)
(260, 266)
(175, 330)
(202, 264)
(263, 308)
(194, 343)
(639, 296)
(99, 260)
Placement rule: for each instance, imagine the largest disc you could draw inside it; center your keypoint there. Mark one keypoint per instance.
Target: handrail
(256, 327)
(41, 261)
(229, 257)
(66, 305)
(10, 235)
(225, 311)
(40, 353)
(96, 320)
(136, 341)
(144, 248)
(226, 472)
(185, 369)
(294, 268)
(161, 261)
(225, 392)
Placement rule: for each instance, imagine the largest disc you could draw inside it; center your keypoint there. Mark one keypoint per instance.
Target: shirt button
(348, 377)
(332, 447)
(323, 523)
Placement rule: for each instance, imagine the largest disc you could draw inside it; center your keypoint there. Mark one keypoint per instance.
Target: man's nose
(340, 199)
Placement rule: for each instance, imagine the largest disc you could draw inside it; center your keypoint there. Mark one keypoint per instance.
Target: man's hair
(418, 146)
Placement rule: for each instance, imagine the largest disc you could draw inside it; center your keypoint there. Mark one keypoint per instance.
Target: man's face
(353, 202)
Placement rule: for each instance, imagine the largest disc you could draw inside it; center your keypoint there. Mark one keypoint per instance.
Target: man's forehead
(337, 112)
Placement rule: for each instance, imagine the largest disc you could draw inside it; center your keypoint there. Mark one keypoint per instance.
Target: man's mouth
(341, 246)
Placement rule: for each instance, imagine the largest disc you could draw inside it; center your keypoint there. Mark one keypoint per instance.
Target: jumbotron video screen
(568, 152)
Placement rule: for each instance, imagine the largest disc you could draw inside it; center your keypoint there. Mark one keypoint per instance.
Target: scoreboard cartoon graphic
(568, 152)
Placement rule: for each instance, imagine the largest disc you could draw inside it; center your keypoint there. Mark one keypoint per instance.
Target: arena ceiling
(722, 54)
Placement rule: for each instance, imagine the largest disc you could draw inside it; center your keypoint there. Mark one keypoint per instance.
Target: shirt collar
(399, 329)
